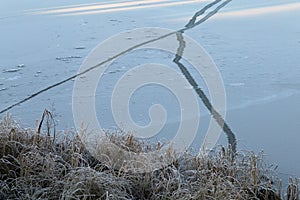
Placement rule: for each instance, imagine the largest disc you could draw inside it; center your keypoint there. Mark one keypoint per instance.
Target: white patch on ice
(13, 78)
(11, 70)
(236, 84)
(2, 89)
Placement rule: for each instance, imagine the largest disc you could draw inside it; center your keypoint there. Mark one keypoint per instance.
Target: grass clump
(39, 165)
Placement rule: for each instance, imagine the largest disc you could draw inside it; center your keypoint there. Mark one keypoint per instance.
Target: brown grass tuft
(35, 164)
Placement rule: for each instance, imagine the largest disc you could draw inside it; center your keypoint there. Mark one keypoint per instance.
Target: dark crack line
(192, 23)
(200, 12)
(217, 116)
(83, 72)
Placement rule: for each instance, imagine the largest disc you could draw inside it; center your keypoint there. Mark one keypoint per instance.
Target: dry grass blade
(49, 122)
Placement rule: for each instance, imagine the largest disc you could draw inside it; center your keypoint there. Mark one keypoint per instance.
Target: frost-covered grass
(38, 165)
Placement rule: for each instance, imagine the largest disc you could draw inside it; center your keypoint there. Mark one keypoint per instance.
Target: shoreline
(44, 167)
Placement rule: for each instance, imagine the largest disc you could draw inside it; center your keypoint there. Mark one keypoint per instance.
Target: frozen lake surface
(254, 43)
